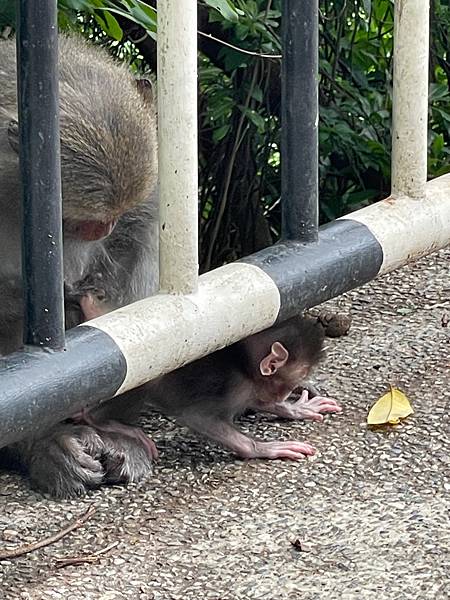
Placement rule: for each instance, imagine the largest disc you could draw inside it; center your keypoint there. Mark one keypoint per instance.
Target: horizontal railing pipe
(121, 350)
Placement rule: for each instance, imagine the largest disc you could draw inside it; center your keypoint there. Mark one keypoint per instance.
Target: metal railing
(300, 121)
(40, 173)
(194, 316)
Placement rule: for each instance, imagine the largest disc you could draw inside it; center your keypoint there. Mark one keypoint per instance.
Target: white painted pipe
(410, 98)
(163, 332)
(407, 229)
(177, 132)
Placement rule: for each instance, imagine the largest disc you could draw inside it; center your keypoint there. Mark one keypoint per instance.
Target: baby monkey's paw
(292, 450)
(313, 408)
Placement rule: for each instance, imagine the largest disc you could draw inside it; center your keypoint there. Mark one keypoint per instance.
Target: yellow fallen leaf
(390, 408)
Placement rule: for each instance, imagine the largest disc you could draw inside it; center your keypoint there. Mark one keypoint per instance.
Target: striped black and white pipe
(119, 351)
(123, 349)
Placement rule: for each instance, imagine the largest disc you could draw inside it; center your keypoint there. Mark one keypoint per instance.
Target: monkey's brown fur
(108, 130)
(109, 174)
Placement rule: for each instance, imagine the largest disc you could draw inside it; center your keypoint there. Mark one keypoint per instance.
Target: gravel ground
(367, 517)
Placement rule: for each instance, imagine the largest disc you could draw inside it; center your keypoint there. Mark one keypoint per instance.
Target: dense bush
(240, 105)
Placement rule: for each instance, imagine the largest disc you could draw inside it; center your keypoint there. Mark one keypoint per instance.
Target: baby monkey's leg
(225, 433)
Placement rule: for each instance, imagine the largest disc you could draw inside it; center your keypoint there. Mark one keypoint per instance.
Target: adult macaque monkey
(109, 176)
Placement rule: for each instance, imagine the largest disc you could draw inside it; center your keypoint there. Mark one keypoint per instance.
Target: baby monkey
(258, 373)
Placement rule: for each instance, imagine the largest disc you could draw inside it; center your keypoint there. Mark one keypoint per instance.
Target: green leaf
(226, 9)
(257, 93)
(75, 5)
(438, 91)
(109, 25)
(438, 144)
(144, 14)
(7, 13)
(220, 132)
(444, 114)
(255, 118)
(149, 11)
(442, 171)
(233, 59)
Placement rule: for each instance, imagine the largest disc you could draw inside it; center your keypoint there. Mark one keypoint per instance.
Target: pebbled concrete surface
(367, 517)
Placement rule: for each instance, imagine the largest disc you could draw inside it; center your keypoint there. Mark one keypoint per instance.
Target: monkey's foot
(305, 407)
(292, 450)
(66, 462)
(120, 429)
(128, 452)
(127, 457)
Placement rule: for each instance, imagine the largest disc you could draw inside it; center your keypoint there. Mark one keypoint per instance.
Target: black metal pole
(300, 114)
(38, 106)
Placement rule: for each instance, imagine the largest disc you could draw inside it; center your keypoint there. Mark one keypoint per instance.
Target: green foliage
(7, 14)
(226, 8)
(239, 105)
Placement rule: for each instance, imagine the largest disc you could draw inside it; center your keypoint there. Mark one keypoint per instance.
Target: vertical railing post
(410, 97)
(177, 129)
(38, 108)
(300, 121)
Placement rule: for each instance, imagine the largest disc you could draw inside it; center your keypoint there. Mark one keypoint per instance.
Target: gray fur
(108, 171)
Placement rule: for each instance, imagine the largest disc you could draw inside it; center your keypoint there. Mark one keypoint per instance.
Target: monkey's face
(281, 374)
(89, 230)
(278, 386)
(99, 186)
(108, 157)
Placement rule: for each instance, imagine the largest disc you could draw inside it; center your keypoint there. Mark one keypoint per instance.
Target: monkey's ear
(13, 135)
(277, 358)
(145, 88)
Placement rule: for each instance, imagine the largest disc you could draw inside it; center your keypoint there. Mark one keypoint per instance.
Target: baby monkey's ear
(277, 358)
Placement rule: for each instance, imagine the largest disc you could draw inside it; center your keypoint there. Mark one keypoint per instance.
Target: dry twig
(88, 558)
(78, 522)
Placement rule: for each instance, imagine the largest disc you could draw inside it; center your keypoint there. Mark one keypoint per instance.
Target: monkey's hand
(305, 407)
(93, 305)
(88, 296)
(66, 461)
(291, 450)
